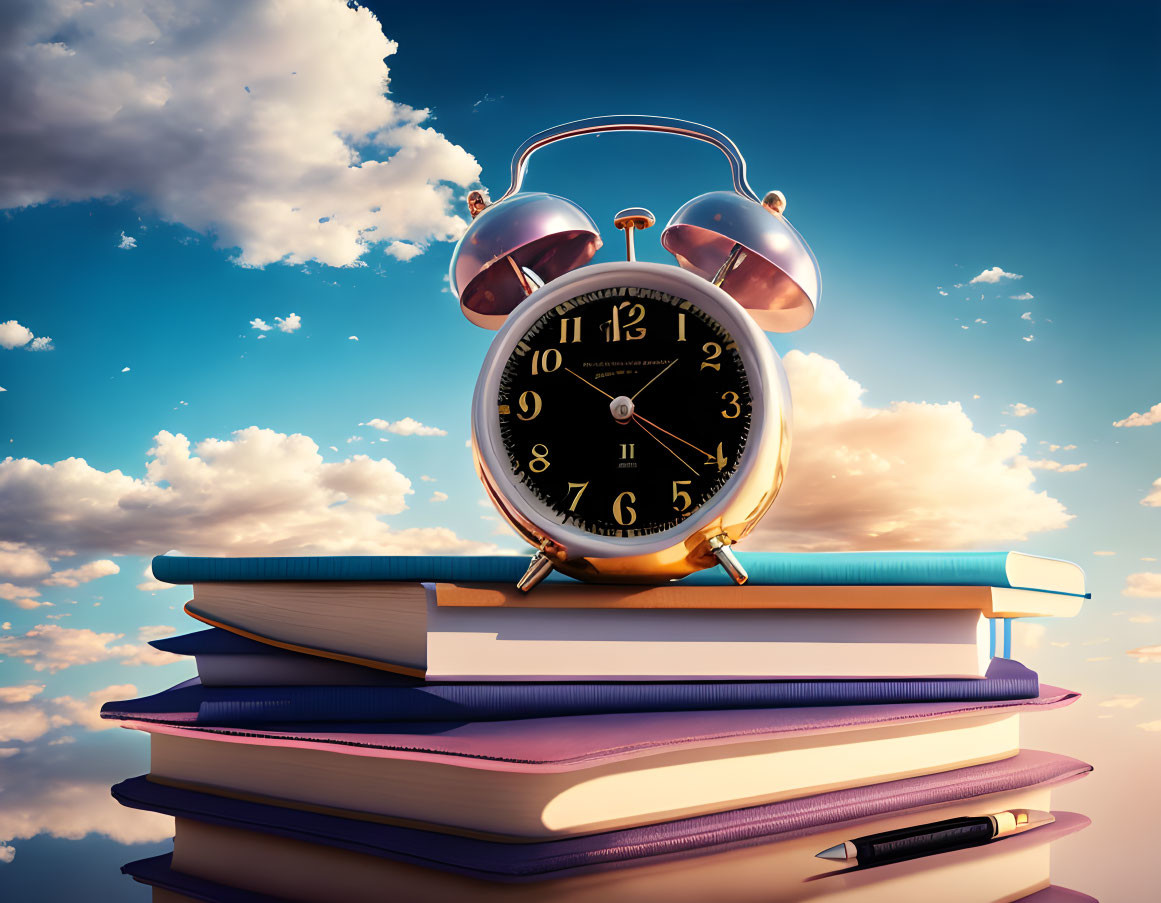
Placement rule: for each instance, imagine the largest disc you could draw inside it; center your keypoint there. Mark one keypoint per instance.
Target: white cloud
(127, 243)
(994, 274)
(1054, 447)
(7, 853)
(52, 648)
(1153, 499)
(438, 496)
(1027, 315)
(292, 322)
(1143, 585)
(1059, 382)
(1026, 296)
(22, 596)
(1142, 619)
(1122, 701)
(1150, 417)
(426, 478)
(982, 322)
(13, 335)
(151, 583)
(1104, 553)
(352, 338)
(259, 323)
(408, 426)
(265, 124)
(402, 250)
(86, 572)
(1046, 464)
(87, 712)
(7, 625)
(124, 369)
(22, 693)
(1152, 726)
(943, 293)
(1146, 654)
(1028, 338)
(1019, 409)
(911, 475)
(258, 493)
(19, 560)
(41, 343)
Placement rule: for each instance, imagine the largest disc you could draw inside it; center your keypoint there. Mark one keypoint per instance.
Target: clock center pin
(621, 408)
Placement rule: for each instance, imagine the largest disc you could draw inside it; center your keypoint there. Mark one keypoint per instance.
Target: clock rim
(769, 417)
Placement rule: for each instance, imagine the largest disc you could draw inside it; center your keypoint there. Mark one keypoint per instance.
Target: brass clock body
(628, 416)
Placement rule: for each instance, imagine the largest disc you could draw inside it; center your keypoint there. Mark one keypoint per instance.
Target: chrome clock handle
(663, 124)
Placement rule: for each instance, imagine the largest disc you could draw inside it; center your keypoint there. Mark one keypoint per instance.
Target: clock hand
(589, 384)
(633, 397)
(637, 416)
(637, 421)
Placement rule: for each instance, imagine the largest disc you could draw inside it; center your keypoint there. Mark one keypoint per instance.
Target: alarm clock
(631, 420)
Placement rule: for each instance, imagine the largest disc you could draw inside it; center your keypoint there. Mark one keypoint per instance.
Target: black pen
(935, 837)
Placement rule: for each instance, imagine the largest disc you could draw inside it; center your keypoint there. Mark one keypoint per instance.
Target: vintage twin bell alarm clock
(631, 420)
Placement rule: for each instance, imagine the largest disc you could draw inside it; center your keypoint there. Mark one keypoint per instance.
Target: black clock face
(624, 410)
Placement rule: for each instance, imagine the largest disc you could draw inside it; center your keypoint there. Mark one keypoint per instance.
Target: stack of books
(362, 723)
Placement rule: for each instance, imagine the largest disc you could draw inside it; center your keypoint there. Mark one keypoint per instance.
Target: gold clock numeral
(580, 488)
(680, 495)
(731, 400)
(681, 327)
(714, 351)
(539, 457)
(631, 329)
(622, 513)
(628, 451)
(546, 361)
(719, 459)
(529, 401)
(564, 330)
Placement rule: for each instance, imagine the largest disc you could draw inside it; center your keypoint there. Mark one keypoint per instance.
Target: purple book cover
(559, 743)
(716, 832)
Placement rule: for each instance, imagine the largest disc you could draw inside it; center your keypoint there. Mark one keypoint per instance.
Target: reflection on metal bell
(771, 272)
(544, 233)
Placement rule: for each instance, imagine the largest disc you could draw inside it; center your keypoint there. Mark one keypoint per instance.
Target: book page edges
(992, 602)
(307, 650)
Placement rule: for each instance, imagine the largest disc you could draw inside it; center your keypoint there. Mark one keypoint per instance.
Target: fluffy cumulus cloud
(1019, 409)
(264, 124)
(438, 496)
(290, 323)
(1143, 585)
(993, 275)
(13, 335)
(1153, 499)
(19, 560)
(1150, 417)
(86, 572)
(1025, 296)
(260, 324)
(408, 426)
(61, 792)
(23, 720)
(258, 493)
(127, 242)
(52, 648)
(21, 596)
(911, 475)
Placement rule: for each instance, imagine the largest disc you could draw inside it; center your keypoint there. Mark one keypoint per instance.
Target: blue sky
(919, 145)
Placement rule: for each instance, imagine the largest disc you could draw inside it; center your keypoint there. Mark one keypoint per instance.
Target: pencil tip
(838, 851)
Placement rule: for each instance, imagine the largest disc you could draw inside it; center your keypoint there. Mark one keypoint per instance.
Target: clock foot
(539, 568)
(720, 546)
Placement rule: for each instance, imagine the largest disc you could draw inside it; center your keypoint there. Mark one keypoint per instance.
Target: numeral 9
(535, 406)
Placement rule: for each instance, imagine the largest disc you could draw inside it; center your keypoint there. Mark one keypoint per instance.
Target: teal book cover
(628, 293)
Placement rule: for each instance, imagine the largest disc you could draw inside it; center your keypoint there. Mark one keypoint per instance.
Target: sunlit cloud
(909, 476)
(1150, 417)
(1153, 499)
(75, 576)
(1145, 584)
(1146, 654)
(52, 648)
(1019, 409)
(1122, 701)
(115, 113)
(408, 426)
(259, 492)
(993, 275)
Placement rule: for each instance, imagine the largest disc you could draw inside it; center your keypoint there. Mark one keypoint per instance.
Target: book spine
(498, 702)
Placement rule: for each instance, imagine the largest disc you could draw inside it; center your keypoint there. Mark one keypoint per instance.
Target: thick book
(260, 697)
(762, 852)
(401, 627)
(1014, 570)
(543, 777)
